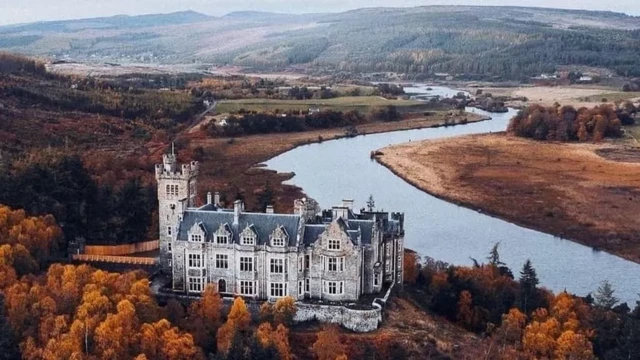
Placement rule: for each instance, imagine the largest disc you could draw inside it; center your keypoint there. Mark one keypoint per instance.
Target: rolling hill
(470, 41)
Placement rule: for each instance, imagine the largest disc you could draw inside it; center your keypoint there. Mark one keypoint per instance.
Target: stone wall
(352, 319)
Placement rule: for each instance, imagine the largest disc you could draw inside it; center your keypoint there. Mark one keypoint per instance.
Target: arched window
(222, 286)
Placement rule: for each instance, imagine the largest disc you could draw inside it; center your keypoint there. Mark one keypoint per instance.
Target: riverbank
(231, 165)
(566, 190)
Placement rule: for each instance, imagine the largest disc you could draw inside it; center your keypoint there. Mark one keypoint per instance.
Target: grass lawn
(360, 103)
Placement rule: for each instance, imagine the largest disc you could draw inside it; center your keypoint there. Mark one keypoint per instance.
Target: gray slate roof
(264, 225)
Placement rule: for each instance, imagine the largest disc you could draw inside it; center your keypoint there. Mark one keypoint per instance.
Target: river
(337, 169)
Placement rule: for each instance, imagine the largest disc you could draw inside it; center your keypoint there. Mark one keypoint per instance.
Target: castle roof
(264, 224)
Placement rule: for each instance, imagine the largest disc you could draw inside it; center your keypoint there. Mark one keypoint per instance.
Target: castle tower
(176, 192)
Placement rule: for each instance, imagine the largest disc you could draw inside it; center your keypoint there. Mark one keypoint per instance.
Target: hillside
(468, 41)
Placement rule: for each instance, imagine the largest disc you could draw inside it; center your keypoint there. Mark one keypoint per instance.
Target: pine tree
(528, 287)
(604, 296)
(371, 204)
(494, 256)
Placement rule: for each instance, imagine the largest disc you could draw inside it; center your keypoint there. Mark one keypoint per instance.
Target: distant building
(314, 110)
(336, 255)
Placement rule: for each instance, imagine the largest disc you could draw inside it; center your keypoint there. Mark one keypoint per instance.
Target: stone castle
(336, 256)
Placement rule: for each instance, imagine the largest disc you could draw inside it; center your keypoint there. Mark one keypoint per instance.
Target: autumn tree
(465, 309)
(410, 266)
(328, 345)
(571, 345)
(237, 323)
(284, 310)
(205, 318)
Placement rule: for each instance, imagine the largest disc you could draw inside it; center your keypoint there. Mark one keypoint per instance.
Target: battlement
(170, 169)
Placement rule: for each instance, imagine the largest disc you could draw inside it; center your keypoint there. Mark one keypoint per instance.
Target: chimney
(237, 210)
(348, 203)
(269, 209)
(209, 198)
(216, 199)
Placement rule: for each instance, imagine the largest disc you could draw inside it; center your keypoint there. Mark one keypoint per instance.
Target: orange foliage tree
(328, 345)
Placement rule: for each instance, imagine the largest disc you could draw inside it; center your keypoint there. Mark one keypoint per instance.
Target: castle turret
(176, 192)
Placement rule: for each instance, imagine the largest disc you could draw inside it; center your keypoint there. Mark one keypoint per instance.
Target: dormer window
(334, 244)
(248, 240)
(279, 237)
(196, 237)
(248, 236)
(223, 235)
(222, 239)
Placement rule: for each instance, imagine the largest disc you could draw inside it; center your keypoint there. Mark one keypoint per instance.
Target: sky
(24, 11)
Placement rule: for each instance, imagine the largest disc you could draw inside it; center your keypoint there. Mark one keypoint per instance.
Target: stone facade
(335, 257)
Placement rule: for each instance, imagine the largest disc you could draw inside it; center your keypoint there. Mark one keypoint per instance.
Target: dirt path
(567, 190)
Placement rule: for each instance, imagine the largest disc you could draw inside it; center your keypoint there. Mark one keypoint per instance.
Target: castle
(335, 255)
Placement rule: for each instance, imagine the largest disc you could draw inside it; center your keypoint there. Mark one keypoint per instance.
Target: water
(339, 169)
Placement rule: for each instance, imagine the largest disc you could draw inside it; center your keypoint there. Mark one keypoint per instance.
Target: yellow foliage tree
(284, 310)
(573, 346)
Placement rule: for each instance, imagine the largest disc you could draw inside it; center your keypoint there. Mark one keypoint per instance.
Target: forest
(520, 319)
(565, 123)
(468, 42)
(78, 312)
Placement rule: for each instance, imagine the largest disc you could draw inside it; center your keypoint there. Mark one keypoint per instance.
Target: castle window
(277, 266)
(247, 288)
(195, 261)
(307, 261)
(172, 190)
(222, 286)
(248, 240)
(334, 244)
(222, 261)
(277, 241)
(335, 264)
(376, 279)
(307, 286)
(300, 264)
(195, 284)
(169, 247)
(222, 239)
(278, 289)
(246, 264)
(169, 230)
(196, 237)
(334, 287)
(300, 292)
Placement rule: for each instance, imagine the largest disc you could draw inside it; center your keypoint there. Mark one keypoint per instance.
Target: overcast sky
(22, 11)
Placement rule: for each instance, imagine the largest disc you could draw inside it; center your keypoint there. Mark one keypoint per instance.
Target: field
(582, 192)
(577, 96)
(359, 103)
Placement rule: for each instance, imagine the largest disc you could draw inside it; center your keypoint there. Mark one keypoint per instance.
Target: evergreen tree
(528, 287)
(604, 296)
(8, 345)
(371, 204)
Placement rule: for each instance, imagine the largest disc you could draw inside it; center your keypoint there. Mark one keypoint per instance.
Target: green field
(360, 103)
